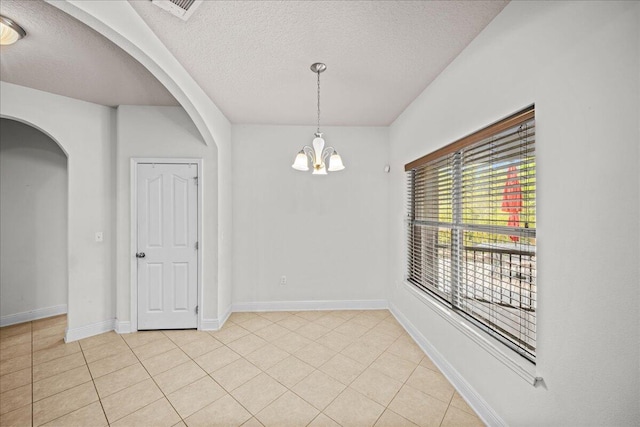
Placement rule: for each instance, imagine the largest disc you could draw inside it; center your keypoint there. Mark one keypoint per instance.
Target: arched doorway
(33, 224)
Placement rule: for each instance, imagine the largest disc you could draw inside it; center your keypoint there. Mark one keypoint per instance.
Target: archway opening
(33, 226)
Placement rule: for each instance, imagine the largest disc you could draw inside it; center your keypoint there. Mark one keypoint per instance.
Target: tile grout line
(32, 369)
(208, 374)
(261, 370)
(397, 392)
(241, 356)
(346, 386)
(368, 330)
(367, 367)
(269, 375)
(146, 370)
(403, 383)
(153, 379)
(448, 406)
(52, 359)
(290, 389)
(94, 385)
(314, 367)
(338, 352)
(14, 371)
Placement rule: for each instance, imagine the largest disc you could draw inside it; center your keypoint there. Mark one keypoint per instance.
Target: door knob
(140, 255)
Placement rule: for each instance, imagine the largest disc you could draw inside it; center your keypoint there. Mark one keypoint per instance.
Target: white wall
(85, 132)
(164, 132)
(120, 23)
(33, 222)
(88, 135)
(327, 234)
(579, 63)
(225, 217)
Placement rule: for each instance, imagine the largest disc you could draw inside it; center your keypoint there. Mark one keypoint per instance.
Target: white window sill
(499, 351)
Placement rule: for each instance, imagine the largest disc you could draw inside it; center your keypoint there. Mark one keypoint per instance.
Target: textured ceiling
(252, 57)
(63, 56)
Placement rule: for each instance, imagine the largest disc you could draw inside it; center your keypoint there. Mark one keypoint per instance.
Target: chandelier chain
(324, 159)
(318, 130)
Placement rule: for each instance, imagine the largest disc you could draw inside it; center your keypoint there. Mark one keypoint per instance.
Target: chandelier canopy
(318, 154)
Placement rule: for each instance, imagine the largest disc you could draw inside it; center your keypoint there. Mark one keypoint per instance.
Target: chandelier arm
(318, 153)
(309, 152)
(327, 152)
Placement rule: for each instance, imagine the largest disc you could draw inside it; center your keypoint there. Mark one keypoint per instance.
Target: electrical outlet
(283, 280)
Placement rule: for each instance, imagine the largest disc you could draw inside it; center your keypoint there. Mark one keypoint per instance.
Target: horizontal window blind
(472, 229)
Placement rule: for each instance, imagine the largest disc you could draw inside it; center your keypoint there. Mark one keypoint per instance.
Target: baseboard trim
(87, 331)
(468, 393)
(215, 324)
(123, 326)
(27, 316)
(525, 369)
(376, 304)
(209, 325)
(223, 319)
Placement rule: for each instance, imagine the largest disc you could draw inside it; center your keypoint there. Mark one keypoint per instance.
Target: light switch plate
(99, 236)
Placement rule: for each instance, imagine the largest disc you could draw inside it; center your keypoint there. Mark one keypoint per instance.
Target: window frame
(447, 152)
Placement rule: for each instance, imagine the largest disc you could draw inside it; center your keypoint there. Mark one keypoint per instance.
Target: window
(472, 229)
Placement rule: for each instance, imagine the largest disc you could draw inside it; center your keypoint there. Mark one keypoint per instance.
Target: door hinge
(197, 246)
(196, 309)
(195, 180)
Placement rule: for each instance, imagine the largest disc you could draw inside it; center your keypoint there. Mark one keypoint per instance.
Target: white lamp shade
(321, 170)
(301, 163)
(335, 162)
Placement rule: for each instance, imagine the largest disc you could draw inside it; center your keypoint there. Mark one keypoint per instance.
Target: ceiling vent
(183, 9)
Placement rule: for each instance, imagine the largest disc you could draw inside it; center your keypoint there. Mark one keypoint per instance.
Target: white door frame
(135, 161)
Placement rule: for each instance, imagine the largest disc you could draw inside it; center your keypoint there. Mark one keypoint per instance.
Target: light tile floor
(315, 368)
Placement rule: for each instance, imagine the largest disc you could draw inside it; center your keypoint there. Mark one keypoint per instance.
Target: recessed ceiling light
(10, 32)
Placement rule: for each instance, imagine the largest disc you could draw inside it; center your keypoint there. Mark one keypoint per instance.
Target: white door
(167, 246)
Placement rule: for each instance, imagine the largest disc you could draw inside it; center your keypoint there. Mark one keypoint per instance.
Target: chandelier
(319, 153)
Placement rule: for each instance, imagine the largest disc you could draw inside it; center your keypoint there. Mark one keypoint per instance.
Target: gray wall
(579, 63)
(86, 133)
(327, 234)
(164, 132)
(33, 220)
